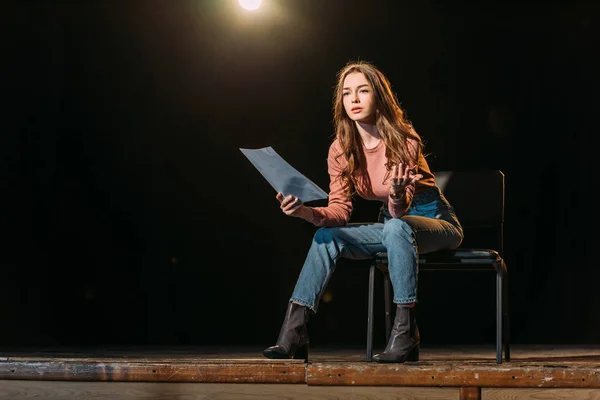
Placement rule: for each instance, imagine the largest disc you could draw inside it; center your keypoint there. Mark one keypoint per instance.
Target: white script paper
(282, 176)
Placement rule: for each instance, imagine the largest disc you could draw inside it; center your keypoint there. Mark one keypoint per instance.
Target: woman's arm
(339, 204)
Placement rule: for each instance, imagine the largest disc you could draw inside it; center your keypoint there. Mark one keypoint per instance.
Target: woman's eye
(345, 94)
(364, 91)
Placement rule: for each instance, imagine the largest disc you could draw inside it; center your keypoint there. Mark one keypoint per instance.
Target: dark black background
(129, 216)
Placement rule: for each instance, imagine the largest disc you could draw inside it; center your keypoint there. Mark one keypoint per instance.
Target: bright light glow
(250, 4)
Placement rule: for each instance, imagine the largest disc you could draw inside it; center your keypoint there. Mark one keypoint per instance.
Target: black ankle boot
(293, 336)
(404, 338)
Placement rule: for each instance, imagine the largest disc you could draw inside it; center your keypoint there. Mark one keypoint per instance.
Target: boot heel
(301, 353)
(413, 355)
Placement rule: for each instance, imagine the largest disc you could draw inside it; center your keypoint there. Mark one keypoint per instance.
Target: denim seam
(315, 306)
(406, 301)
(301, 302)
(329, 275)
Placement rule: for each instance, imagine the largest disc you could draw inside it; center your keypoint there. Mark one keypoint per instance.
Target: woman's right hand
(294, 207)
(402, 176)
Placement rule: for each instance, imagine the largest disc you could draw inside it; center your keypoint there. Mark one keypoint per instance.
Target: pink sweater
(339, 207)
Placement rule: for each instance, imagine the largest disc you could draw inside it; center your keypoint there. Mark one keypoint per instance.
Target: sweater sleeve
(339, 205)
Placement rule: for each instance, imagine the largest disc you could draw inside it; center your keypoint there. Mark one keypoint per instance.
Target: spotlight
(250, 4)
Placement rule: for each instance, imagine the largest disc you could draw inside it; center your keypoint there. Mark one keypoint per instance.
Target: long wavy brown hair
(393, 126)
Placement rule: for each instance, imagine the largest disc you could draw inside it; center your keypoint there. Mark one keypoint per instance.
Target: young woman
(376, 154)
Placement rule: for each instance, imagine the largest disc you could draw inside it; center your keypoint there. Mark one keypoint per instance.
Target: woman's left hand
(294, 207)
(402, 176)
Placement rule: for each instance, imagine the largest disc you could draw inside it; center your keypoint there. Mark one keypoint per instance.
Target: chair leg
(506, 316)
(499, 313)
(370, 313)
(388, 303)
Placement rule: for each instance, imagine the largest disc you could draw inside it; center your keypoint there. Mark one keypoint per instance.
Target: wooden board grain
(462, 367)
(455, 375)
(135, 371)
(59, 390)
(188, 391)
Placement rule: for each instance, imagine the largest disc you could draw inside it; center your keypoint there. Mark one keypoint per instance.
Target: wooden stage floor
(467, 369)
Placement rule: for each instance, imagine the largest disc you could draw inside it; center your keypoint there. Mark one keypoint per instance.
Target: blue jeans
(429, 225)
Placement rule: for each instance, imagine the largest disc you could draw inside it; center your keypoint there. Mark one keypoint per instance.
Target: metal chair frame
(461, 259)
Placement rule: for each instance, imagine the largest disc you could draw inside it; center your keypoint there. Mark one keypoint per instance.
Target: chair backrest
(478, 200)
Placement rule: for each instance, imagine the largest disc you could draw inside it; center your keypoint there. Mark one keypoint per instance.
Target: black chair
(478, 200)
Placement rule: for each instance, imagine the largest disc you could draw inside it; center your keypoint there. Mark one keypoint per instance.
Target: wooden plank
(451, 375)
(532, 367)
(15, 389)
(470, 393)
(489, 375)
(214, 391)
(132, 371)
(539, 394)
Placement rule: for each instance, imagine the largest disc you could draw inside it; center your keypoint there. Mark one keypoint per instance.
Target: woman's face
(358, 99)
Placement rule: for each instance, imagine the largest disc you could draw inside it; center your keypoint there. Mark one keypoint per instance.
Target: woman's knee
(398, 228)
(325, 235)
